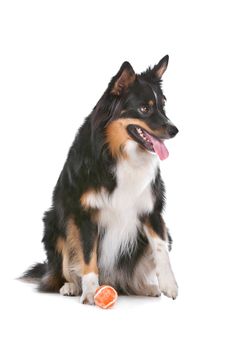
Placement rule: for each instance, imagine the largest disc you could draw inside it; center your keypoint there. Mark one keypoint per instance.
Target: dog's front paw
(87, 298)
(69, 289)
(152, 290)
(168, 285)
(89, 285)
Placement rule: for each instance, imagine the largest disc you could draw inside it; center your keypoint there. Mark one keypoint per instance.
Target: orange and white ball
(105, 296)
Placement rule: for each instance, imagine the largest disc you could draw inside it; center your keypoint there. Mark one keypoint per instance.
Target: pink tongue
(159, 148)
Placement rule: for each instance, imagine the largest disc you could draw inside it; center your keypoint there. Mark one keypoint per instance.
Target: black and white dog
(105, 225)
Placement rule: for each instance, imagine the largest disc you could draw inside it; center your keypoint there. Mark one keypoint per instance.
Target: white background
(56, 60)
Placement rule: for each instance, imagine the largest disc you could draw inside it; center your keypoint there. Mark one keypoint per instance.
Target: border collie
(105, 225)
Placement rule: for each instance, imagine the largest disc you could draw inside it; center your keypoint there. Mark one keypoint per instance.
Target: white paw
(69, 289)
(87, 298)
(168, 285)
(152, 291)
(89, 285)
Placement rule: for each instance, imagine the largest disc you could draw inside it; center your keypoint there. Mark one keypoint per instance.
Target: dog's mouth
(150, 142)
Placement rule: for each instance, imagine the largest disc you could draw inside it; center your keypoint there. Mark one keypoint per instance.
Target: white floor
(198, 319)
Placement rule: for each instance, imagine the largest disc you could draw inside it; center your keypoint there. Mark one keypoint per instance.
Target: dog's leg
(144, 281)
(90, 280)
(166, 278)
(69, 289)
(89, 273)
(79, 252)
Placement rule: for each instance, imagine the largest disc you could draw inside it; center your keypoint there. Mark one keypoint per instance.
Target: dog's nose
(172, 130)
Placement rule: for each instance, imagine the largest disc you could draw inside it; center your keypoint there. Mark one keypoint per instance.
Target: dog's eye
(145, 109)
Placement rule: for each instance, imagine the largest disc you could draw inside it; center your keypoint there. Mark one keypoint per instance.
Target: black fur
(36, 271)
(128, 261)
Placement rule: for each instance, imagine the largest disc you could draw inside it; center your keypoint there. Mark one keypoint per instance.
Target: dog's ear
(161, 67)
(123, 79)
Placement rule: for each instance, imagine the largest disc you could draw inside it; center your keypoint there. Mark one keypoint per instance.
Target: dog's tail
(35, 273)
(47, 279)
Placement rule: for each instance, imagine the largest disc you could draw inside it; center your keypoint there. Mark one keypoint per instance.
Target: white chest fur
(119, 212)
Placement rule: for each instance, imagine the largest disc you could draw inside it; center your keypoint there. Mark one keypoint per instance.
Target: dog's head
(132, 108)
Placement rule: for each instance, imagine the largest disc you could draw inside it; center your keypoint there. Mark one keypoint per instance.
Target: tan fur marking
(151, 231)
(117, 135)
(154, 234)
(60, 244)
(151, 103)
(88, 200)
(66, 266)
(73, 258)
(72, 251)
(73, 242)
(84, 198)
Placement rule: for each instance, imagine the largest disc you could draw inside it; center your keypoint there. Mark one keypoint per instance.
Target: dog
(105, 225)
